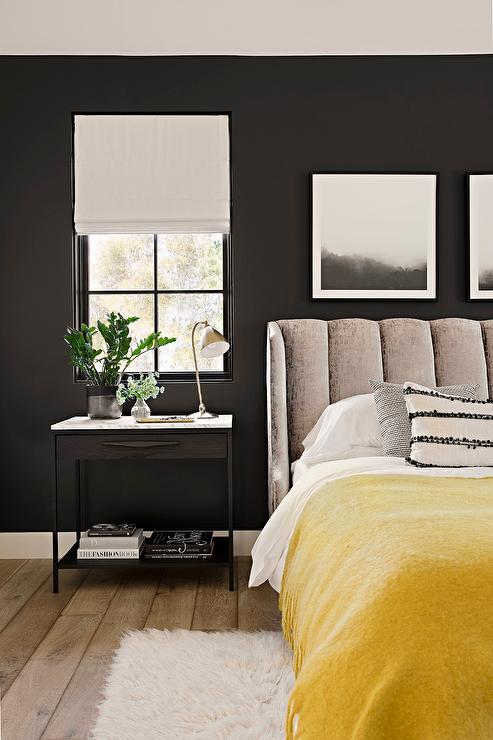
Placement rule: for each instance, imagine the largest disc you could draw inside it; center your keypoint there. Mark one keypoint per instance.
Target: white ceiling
(245, 27)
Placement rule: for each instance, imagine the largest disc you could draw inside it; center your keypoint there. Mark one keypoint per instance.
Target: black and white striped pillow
(393, 420)
(448, 431)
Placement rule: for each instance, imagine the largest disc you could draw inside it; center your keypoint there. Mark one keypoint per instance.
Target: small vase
(140, 409)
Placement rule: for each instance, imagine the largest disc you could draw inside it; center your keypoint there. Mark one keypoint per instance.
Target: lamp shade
(212, 343)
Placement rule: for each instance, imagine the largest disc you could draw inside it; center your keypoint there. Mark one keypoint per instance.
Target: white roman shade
(151, 173)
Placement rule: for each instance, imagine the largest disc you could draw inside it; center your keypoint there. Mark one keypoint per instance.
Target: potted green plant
(141, 388)
(103, 369)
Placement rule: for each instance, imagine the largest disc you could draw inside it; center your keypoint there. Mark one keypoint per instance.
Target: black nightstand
(80, 438)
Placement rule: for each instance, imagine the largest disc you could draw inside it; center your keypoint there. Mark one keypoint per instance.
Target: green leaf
(118, 353)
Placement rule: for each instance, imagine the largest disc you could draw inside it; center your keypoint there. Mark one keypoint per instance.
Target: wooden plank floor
(55, 648)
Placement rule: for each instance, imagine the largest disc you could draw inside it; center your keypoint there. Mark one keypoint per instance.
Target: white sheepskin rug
(180, 684)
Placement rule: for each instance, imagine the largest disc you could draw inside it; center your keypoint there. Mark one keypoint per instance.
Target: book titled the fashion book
(175, 543)
(109, 554)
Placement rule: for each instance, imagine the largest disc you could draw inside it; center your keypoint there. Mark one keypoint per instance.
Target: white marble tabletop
(84, 423)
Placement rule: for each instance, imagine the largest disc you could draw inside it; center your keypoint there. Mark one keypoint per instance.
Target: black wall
(289, 116)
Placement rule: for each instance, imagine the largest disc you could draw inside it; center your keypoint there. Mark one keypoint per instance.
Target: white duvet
(269, 551)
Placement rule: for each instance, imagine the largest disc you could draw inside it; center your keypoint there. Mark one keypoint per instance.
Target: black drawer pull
(142, 445)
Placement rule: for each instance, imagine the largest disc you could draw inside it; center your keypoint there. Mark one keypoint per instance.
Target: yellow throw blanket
(387, 601)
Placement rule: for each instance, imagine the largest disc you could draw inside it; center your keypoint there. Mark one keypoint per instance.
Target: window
(152, 218)
(169, 281)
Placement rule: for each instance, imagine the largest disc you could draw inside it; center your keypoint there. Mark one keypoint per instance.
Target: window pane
(190, 261)
(121, 262)
(128, 305)
(177, 315)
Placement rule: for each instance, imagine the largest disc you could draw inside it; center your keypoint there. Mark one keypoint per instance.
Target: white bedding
(269, 551)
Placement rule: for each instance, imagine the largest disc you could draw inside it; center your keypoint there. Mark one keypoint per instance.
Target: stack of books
(165, 544)
(111, 542)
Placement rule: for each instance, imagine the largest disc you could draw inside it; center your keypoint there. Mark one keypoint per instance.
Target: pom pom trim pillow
(395, 426)
(448, 431)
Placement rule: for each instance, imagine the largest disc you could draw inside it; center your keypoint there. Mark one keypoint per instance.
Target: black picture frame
(319, 293)
(474, 292)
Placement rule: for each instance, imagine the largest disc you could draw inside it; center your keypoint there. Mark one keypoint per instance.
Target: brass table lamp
(212, 344)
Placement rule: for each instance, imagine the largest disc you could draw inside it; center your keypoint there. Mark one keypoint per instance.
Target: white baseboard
(32, 544)
(38, 544)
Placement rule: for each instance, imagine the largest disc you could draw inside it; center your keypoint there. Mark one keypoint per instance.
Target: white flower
(143, 387)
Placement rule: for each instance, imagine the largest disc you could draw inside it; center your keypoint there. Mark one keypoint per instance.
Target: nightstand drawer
(152, 446)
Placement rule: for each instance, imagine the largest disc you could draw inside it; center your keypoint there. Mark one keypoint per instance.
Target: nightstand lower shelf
(220, 556)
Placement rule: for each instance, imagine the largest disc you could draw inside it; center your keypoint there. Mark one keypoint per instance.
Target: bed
(385, 571)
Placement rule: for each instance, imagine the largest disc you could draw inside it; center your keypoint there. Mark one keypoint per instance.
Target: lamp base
(204, 415)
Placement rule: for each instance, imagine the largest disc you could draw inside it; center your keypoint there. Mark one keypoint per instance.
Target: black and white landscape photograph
(373, 236)
(481, 237)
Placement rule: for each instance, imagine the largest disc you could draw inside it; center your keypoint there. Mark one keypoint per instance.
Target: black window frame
(81, 310)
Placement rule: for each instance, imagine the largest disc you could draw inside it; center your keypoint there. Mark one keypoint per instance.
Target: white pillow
(348, 428)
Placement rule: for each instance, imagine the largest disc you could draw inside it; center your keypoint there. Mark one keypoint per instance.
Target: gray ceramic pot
(102, 403)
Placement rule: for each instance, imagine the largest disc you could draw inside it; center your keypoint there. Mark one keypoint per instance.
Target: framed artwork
(374, 236)
(480, 236)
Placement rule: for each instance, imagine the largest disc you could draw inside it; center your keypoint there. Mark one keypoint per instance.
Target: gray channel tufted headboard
(311, 363)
